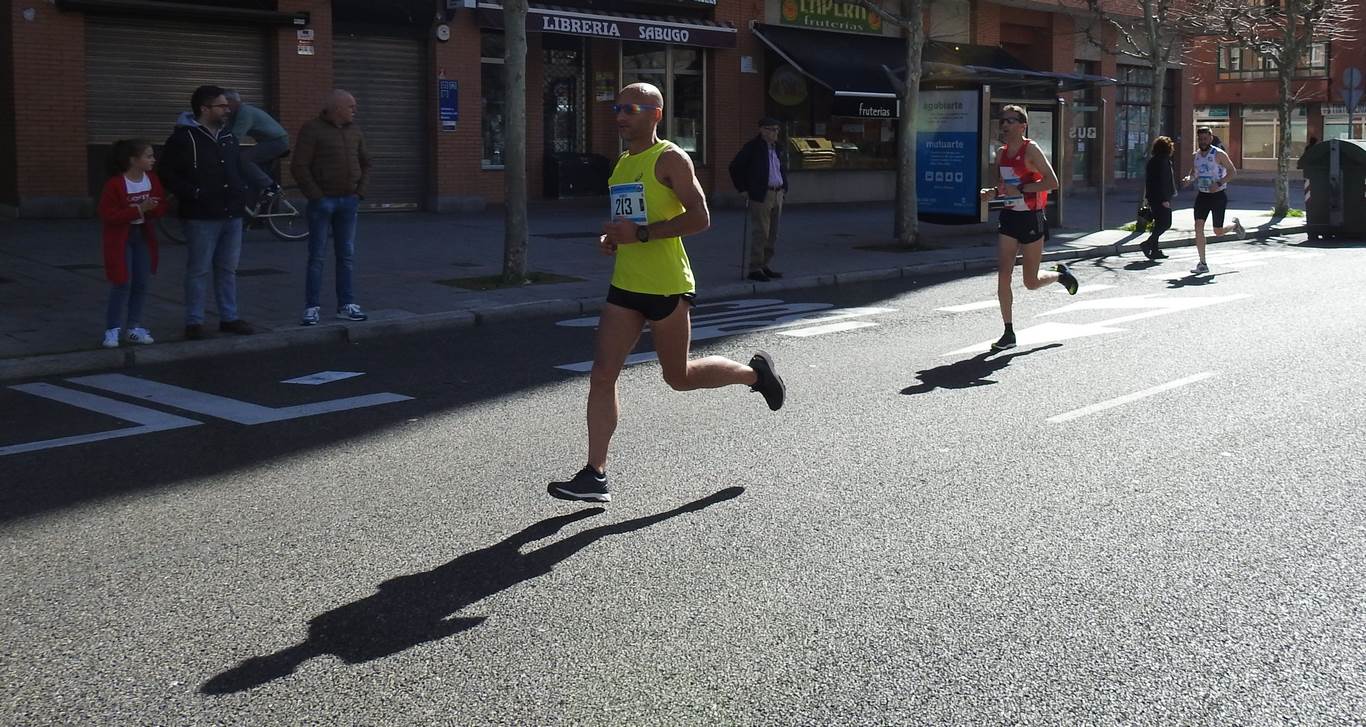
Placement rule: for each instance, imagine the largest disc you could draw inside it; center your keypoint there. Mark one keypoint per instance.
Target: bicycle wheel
(286, 217)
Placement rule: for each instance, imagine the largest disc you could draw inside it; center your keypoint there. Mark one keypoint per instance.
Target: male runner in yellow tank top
(656, 200)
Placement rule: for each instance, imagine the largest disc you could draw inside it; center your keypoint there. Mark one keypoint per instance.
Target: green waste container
(1336, 172)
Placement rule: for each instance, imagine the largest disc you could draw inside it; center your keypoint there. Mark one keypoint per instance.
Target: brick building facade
(81, 73)
(1236, 93)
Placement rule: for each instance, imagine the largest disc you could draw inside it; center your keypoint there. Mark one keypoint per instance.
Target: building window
(492, 98)
(1082, 130)
(825, 131)
(1239, 63)
(1133, 107)
(680, 73)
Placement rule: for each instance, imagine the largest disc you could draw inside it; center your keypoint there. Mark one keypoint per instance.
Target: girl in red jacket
(131, 200)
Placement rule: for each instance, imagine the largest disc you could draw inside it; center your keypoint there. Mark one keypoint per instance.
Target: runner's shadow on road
(422, 607)
(1142, 265)
(1192, 280)
(968, 373)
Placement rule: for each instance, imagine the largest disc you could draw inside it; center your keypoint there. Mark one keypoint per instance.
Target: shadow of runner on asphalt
(420, 608)
(968, 373)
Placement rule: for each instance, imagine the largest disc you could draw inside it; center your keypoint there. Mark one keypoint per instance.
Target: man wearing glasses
(759, 170)
(1024, 178)
(655, 201)
(200, 164)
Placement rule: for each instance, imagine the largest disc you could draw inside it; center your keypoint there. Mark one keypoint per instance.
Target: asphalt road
(1150, 512)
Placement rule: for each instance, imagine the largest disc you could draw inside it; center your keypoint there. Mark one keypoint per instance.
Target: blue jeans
(216, 245)
(132, 293)
(339, 215)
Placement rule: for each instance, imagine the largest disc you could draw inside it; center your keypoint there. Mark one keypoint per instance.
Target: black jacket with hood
(203, 172)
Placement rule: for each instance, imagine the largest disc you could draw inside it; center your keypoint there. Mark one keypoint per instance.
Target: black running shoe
(1005, 341)
(1067, 279)
(770, 384)
(587, 486)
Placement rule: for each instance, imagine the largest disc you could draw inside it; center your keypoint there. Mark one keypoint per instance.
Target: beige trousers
(763, 228)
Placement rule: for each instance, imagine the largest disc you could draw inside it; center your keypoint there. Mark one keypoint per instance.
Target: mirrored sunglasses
(631, 109)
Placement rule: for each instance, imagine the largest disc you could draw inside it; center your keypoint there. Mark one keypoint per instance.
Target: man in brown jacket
(331, 166)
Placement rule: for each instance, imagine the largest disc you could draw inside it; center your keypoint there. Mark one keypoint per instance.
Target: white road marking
(148, 420)
(979, 305)
(1112, 403)
(323, 377)
(1053, 331)
(222, 407)
(1085, 288)
(828, 328)
(732, 317)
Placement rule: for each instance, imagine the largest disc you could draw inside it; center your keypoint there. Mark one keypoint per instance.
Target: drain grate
(82, 266)
(569, 235)
(256, 272)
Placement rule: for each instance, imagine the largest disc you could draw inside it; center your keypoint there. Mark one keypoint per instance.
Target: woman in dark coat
(1160, 181)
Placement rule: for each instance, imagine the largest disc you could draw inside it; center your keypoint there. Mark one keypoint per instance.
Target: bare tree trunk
(514, 143)
(907, 220)
(1285, 71)
(1283, 112)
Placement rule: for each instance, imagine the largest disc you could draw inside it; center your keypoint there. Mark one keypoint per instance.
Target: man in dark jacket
(200, 165)
(331, 165)
(760, 171)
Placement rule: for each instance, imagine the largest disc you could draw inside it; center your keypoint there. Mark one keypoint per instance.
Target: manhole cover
(255, 272)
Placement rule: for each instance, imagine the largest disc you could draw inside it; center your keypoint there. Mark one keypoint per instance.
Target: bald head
(643, 93)
(340, 106)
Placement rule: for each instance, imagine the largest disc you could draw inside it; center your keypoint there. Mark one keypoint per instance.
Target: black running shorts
(653, 307)
(1024, 226)
(1211, 202)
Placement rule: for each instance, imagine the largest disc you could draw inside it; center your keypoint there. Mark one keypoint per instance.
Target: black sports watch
(643, 233)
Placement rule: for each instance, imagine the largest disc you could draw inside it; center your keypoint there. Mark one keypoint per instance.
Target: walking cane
(744, 242)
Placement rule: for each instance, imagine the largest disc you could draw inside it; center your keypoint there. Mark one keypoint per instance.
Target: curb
(59, 364)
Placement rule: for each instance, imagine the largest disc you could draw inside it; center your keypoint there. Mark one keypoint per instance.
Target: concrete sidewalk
(53, 290)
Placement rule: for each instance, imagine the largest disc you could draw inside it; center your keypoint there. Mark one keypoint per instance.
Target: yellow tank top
(657, 267)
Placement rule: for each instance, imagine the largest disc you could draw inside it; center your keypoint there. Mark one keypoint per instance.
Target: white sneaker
(111, 338)
(1200, 269)
(140, 335)
(351, 312)
(1238, 229)
(310, 316)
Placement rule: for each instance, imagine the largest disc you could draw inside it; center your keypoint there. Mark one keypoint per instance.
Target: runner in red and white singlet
(1024, 178)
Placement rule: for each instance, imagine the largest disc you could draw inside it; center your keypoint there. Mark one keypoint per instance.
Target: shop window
(1133, 109)
(821, 132)
(680, 73)
(492, 98)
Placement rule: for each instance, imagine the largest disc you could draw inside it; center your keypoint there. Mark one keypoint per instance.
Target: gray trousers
(763, 228)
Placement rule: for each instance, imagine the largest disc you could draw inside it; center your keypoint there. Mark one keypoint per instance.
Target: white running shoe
(1239, 230)
(140, 336)
(310, 316)
(111, 338)
(351, 312)
(1200, 269)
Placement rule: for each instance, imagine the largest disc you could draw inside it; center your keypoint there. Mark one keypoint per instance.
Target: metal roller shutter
(140, 73)
(386, 75)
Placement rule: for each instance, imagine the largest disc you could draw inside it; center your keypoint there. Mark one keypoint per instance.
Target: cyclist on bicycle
(272, 142)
